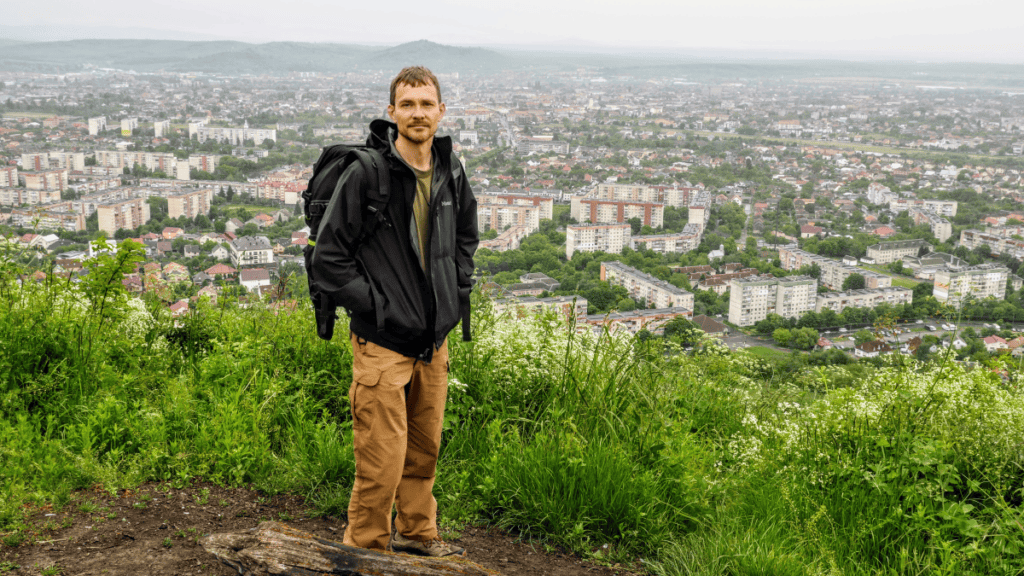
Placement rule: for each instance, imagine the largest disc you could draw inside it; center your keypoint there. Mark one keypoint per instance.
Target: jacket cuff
(355, 297)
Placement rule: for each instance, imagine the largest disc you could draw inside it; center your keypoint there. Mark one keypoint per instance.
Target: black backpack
(333, 162)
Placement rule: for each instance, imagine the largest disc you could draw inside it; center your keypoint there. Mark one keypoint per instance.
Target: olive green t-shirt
(421, 211)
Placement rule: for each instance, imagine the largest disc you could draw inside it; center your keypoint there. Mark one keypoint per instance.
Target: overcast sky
(948, 30)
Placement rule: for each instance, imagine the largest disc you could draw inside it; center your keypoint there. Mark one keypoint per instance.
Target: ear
(391, 111)
(442, 108)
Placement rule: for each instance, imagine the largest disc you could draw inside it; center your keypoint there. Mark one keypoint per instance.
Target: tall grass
(707, 462)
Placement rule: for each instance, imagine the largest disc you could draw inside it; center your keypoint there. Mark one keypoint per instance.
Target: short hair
(415, 76)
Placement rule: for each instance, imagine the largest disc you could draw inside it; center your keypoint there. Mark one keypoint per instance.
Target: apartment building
(8, 176)
(945, 208)
(833, 272)
(954, 286)
(128, 214)
(506, 240)
(866, 298)
(880, 194)
(501, 215)
(251, 251)
(48, 180)
(48, 219)
(89, 203)
(611, 238)
(73, 161)
(673, 243)
(654, 292)
(527, 146)
(636, 320)
(22, 196)
(286, 192)
(161, 128)
(128, 125)
(156, 161)
(544, 204)
(676, 196)
(598, 211)
(888, 252)
(941, 228)
(204, 162)
(998, 245)
(190, 203)
(97, 125)
(700, 209)
(753, 299)
(35, 161)
(572, 308)
(234, 136)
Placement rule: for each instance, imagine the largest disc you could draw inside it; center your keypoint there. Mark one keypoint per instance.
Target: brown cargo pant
(397, 414)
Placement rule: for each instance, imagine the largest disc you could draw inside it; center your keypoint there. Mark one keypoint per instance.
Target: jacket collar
(383, 134)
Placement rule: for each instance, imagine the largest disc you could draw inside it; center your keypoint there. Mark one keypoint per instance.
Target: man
(405, 287)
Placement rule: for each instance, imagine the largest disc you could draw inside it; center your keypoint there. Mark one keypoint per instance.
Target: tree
(863, 336)
(635, 224)
(683, 331)
(782, 337)
(854, 282)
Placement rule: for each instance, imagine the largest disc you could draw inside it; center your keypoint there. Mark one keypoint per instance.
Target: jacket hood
(383, 133)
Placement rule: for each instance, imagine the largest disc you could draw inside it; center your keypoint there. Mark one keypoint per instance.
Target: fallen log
(273, 548)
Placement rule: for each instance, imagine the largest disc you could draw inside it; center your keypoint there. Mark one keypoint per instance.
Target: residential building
(526, 146)
(47, 219)
(597, 211)
(926, 266)
(998, 245)
(941, 228)
(115, 215)
(675, 242)
(190, 203)
(888, 252)
(636, 320)
(545, 205)
(753, 299)
(251, 251)
(945, 208)
(700, 209)
(499, 216)
(833, 272)
(984, 281)
(22, 196)
(8, 176)
(97, 125)
(655, 293)
(235, 136)
(572, 308)
(866, 298)
(253, 278)
(161, 128)
(611, 238)
(48, 180)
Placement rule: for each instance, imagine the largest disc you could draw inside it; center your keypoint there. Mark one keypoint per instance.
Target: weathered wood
(273, 548)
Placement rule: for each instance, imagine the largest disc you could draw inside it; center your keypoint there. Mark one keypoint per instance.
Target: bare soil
(154, 530)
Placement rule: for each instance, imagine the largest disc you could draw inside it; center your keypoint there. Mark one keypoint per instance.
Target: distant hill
(230, 57)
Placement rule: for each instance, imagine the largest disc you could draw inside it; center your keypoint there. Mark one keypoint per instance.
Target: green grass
(699, 462)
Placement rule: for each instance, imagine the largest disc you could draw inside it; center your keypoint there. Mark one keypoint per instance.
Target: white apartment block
(998, 244)
(610, 238)
(597, 211)
(753, 299)
(833, 272)
(161, 128)
(127, 214)
(250, 251)
(506, 240)
(91, 202)
(502, 215)
(49, 180)
(674, 243)
(8, 176)
(987, 280)
(635, 320)
(573, 308)
(128, 125)
(23, 196)
(676, 196)
(235, 136)
(155, 161)
(526, 146)
(654, 292)
(190, 203)
(941, 228)
(97, 125)
(880, 194)
(866, 298)
(204, 162)
(49, 219)
(35, 161)
(945, 208)
(546, 205)
(700, 209)
(888, 252)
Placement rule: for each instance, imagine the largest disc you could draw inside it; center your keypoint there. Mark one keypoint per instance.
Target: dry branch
(273, 548)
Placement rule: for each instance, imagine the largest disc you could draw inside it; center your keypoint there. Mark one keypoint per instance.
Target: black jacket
(390, 299)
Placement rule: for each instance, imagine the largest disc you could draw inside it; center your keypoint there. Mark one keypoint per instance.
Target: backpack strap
(464, 307)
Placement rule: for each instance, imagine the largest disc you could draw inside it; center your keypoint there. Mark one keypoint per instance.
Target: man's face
(416, 111)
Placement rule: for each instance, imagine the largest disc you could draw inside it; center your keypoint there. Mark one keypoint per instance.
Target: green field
(766, 353)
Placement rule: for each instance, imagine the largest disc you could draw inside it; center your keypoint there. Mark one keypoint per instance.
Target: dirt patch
(155, 529)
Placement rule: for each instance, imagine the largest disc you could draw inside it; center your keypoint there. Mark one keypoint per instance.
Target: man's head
(416, 106)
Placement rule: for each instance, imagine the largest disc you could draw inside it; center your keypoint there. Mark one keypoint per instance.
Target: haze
(912, 30)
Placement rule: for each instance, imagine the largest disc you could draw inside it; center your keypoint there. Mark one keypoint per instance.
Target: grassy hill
(704, 462)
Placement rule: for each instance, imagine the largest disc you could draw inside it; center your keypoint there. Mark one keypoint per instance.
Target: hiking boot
(436, 547)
